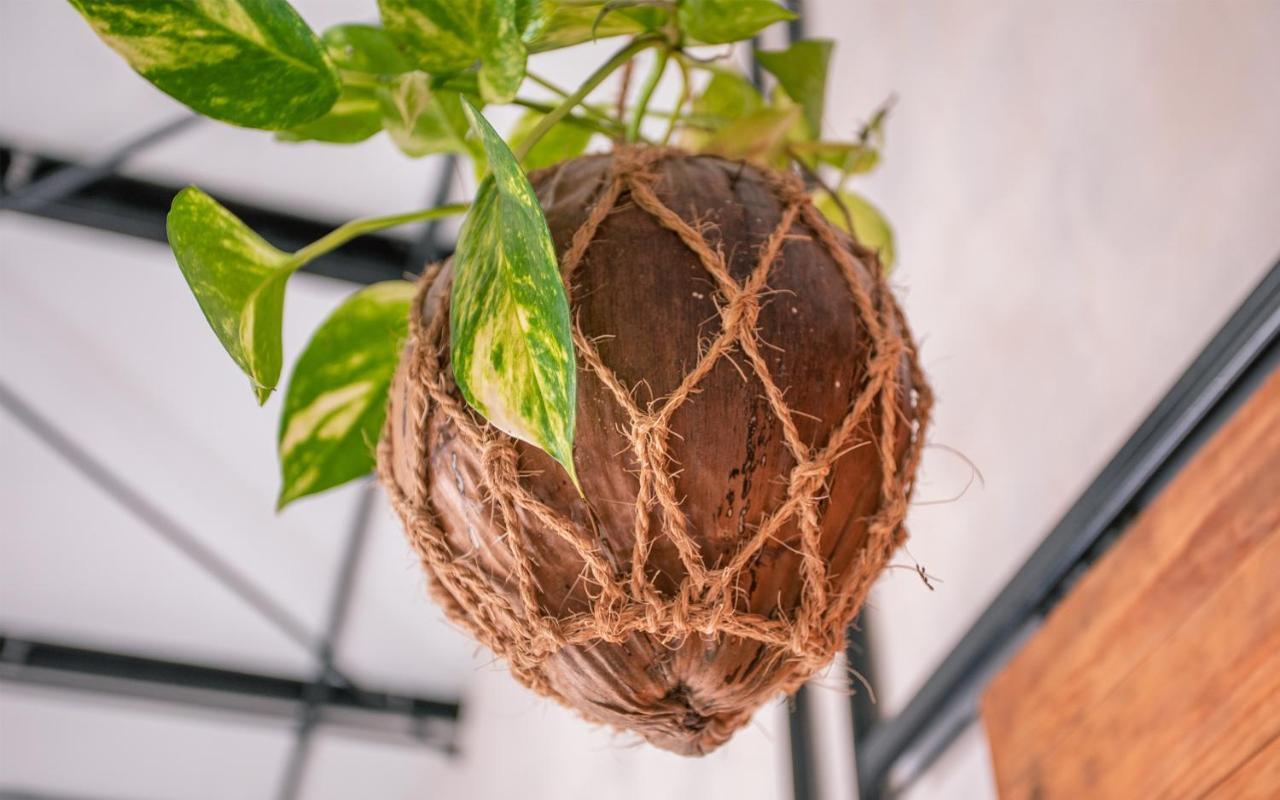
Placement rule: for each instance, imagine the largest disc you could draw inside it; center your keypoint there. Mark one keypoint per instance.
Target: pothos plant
(426, 76)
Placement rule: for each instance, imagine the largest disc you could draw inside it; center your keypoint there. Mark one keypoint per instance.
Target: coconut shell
(764, 473)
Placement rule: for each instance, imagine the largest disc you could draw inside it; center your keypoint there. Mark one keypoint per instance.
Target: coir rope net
(625, 599)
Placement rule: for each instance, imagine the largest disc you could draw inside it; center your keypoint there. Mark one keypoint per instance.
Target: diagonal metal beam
(160, 523)
(1244, 352)
(74, 177)
(318, 690)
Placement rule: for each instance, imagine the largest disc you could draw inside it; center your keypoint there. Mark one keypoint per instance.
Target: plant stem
(606, 126)
(684, 98)
(646, 92)
(619, 58)
(592, 112)
(359, 227)
(834, 194)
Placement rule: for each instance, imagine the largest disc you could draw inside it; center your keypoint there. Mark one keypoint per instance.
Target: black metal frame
(95, 195)
(891, 753)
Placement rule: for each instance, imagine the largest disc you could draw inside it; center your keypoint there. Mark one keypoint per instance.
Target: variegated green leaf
(869, 226)
(558, 24)
(512, 346)
(801, 70)
(336, 401)
(722, 21)
(759, 136)
(238, 280)
(567, 139)
(851, 158)
(422, 120)
(445, 36)
(365, 54)
(248, 62)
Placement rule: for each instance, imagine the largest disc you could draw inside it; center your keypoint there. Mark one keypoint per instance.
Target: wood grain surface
(1159, 674)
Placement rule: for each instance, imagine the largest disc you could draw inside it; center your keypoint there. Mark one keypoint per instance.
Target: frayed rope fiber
(751, 413)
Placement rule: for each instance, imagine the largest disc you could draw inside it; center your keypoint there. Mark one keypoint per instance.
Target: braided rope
(525, 633)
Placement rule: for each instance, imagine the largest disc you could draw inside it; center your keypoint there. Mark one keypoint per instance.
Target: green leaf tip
(238, 280)
(510, 332)
(336, 401)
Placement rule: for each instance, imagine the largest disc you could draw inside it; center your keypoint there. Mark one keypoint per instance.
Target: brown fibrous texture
(750, 417)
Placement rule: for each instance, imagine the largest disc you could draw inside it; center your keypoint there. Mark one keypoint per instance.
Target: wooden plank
(1118, 677)
(1256, 779)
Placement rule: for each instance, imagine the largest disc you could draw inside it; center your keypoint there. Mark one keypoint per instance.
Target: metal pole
(160, 523)
(71, 179)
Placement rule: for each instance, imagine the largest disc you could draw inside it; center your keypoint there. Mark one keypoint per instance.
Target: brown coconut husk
(750, 418)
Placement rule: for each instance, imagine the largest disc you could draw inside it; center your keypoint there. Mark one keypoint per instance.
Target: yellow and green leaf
(253, 63)
(512, 346)
(365, 56)
(869, 225)
(336, 401)
(724, 21)
(447, 36)
(422, 120)
(238, 279)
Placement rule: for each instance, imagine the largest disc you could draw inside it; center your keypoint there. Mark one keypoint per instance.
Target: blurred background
(1082, 194)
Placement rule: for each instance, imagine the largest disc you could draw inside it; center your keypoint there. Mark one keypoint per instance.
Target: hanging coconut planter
(653, 428)
(750, 415)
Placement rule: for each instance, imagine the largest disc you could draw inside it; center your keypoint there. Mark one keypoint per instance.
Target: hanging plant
(653, 427)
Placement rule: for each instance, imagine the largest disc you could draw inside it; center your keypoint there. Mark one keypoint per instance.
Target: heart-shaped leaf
(238, 280)
(512, 345)
(869, 225)
(337, 397)
(801, 70)
(723, 21)
(365, 54)
(447, 36)
(247, 62)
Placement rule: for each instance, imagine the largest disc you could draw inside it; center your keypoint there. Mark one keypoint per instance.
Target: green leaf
(722, 21)
(238, 280)
(567, 139)
(253, 63)
(759, 136)
(851, 158)
(869, 226)
(512, 345)
(366, 56)
(447, 36)
(337, 397)
(801, 70)
(421, 120)
(556, 24)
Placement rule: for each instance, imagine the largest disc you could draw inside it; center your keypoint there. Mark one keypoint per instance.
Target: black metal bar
(160, 523)
(74, 177)
(427, 249)
(800, 733)
(138, 208)
(1242, 354)
(862, 704)
(339, 606)
(376, 713)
